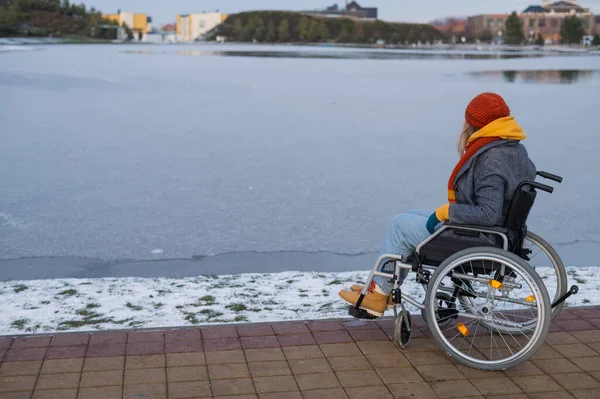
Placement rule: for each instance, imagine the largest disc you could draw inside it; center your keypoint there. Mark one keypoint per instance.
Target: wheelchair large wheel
(547, 263)
(477, 333)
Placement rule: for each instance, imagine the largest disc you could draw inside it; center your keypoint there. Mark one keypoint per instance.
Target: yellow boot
(358, 288)
(373, 303)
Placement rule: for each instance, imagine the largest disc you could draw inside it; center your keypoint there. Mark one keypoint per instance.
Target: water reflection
(565, 76)
(343, 54)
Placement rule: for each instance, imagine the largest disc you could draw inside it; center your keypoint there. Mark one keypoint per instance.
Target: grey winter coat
(486, 183)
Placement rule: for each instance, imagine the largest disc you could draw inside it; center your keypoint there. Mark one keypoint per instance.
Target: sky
(164, 11)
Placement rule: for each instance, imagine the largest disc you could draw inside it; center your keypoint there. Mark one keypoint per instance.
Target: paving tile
(303, 352)
(426, 358)
(185, 346)
(524, 369)
(454, 389)
(31, 342)
(101, 379)
(378, 392)
(255, 330)
(587, 363)
(362, 378)
(20, 368)
(104, 363)
(187, 374)
(250, 396)
(420, 344)
(574, 325)
(66, 352)
(56, 394)
(16, 395)
(392, 375)
(100, 393)
(146, 391)
(143, 376)
(145, 362)
(332, 337)
(5, 342)
(62, 366)
(333, 350)
(472, 373)
(222, 344)
(307, 366)
(554, 395)
(575, 350)
(369, 335)
(296, 339)
(225, 371)
(556, 366)
(233, 387)
(185, 359)
(595, 322)
(221, 357)
(108, 338)
(268, 341)
(197, 389)
(515, 396)
(219, 332)
(264, 355)
(108, 350)
(546, 352)
(587, 313)
(269, 369)
(28, 354)
(496, 386)
(317, 381)
(187, 334)
(325, 326)
(17, 383)
(586, 393)
(576, 381)
(146, 348)
(291, 328)
(561, 338)
(388, 359)
(377, 347)
(420, 390)
(145, 336)
(70, 339)
(538, 383)
(336, 393)
(279, 395)
(58, 381)
(594, 345)
(440, 372)
(349, 363)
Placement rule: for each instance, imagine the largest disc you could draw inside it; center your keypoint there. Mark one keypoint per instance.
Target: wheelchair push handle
(536, 185)
(550, 176)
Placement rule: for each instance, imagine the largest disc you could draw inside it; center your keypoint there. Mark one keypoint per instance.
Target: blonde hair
(463, 138)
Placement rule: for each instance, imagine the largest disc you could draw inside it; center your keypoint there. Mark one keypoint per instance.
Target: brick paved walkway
(321, 359)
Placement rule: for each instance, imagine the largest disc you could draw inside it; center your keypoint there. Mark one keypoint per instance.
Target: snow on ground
(114, 303)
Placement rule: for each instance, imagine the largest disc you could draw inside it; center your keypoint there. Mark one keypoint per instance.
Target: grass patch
(65, 325)
(240, 318)
(301, 290)
(256, 310)
(191, 317)
(302, 295)
(135, 324)
(92, 305)
(19, 323)
(163, 292)
(88, 314)
(586, 301)
(334, 282)
(268, 308)
(85, 283)
(209, 313)
(69, 292)
(20, 288)
(158, 305)
(237, 307)
(133, 307)
(179, 307)
(45, 302)
(290, 281)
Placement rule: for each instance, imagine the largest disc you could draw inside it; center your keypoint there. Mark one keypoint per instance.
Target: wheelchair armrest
(474, 230)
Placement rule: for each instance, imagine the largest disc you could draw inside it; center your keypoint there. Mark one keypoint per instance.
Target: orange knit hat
(486, 108)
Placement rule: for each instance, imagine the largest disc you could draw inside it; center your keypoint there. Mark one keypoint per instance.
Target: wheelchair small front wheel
(402, 332)
(505, 321)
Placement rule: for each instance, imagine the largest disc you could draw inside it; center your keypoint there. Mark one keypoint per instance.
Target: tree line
(286, 27)
(49, 17)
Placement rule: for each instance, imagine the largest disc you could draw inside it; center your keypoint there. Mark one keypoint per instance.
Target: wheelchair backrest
(517, 214)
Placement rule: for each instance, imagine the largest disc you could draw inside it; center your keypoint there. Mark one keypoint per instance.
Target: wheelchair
(485, 304)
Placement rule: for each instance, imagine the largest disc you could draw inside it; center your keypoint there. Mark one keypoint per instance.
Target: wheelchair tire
(443, 298)
(491, 350)
(561, 284)
(402, 335)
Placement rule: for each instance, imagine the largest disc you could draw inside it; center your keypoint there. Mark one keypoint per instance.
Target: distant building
(544, 20)
(191, 27)
(138, 23)
(352, 10)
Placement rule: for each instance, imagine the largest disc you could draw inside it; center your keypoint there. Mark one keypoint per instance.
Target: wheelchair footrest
(360, 313)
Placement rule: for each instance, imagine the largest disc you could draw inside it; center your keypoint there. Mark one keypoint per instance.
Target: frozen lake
(119, 152)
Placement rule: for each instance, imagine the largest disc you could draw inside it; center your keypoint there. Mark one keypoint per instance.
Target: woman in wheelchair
(493, 162)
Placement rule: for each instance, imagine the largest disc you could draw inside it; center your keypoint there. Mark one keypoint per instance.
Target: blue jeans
(405, 233)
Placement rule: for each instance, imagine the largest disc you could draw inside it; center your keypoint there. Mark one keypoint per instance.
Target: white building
(190, 27)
